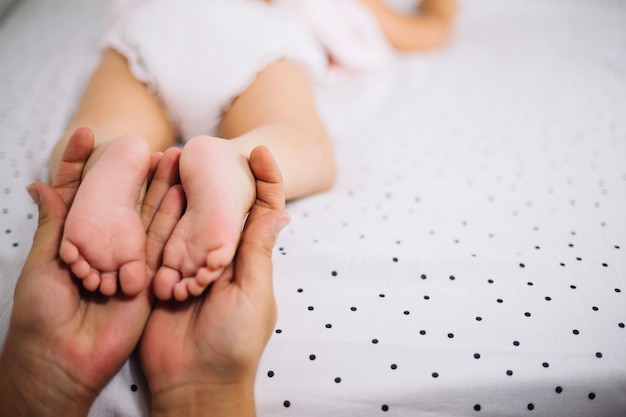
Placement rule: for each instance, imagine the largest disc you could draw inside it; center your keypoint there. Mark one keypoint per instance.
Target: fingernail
(32, 192)
(282, 222)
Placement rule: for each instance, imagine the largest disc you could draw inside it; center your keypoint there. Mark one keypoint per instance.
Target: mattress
(470, 259)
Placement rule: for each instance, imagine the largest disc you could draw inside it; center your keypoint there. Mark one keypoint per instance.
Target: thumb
(52, 214)
(254, 255)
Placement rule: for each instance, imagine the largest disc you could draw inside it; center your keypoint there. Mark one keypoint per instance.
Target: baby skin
(220, 190)
(104, 238)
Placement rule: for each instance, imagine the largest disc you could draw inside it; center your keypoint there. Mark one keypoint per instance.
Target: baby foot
(220, 190)
(104, 238)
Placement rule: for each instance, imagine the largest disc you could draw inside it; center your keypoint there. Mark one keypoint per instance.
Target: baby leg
(220, 190)
(104, 238)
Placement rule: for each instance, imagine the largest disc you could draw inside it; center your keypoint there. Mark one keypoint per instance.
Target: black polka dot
(558, 390)
(435, 374)
(477, 407)
(545, 365)
(352, 308)
(311, 308)
(385, 407)
(450, 335)
(530, 406)
(476, 355)
(328, 325)
(333, 273)
(312, 357)
(394, 366)
(423, 332)
(270, 373)
(592, 396)
(374, 341)
(527, 314)
(278, 331)
(598, 355)
(576, 331)
(287, 403)
(337, 380)
(407, 312)
(509, 372)
(515, 343)
(134, 388)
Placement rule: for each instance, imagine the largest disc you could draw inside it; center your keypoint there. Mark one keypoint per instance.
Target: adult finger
(163, 222)
(52, 213)
(155, 158)
(254, 256)
(253, 271)
(165, 176)
(269, 181)
(75, 156)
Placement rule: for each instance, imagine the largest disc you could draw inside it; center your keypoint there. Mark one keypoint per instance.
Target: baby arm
(428, 28)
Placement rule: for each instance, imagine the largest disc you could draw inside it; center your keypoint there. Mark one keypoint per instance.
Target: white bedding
(471, 257)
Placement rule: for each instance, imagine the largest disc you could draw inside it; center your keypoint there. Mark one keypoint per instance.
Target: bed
(471, 258)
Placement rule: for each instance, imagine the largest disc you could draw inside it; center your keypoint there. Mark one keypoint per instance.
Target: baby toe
(164, 282)
(108, 283)
(206, 276)
(68, 252)
(220, 258)
(81, 268)
(92, 281)
(195, 288)
(181, 290)
(133, 277)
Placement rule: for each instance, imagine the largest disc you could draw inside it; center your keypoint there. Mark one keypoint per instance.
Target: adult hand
(65, 344)
(200, 357)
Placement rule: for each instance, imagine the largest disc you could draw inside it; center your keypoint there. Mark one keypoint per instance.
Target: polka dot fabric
(470, 259)
(45, 58)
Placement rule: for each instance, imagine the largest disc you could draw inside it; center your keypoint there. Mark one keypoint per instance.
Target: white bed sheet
(471, 257)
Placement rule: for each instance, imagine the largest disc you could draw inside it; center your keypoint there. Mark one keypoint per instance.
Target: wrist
(205, 399)
(29, 387)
